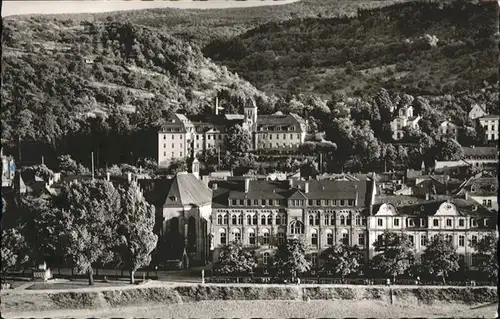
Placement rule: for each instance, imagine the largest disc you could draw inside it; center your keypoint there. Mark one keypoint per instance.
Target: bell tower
(250, 116)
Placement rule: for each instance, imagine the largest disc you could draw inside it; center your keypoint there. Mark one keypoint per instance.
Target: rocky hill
(418, 47)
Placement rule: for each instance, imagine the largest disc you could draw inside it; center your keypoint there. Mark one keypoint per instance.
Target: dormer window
(473, 188)
(473, 222)
(411, 222)
(173, 198)
(422, 208)
(486, 222)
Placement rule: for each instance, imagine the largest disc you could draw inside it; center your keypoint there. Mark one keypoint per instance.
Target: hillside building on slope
(405, 118)
(183, 137)
(478, 157)
(447, 129)
(477, 111)
(490, 125)
(482, 189)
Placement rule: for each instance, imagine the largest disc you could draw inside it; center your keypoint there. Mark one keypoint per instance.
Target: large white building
(405, 118)
(461, 221)
(490, 125)
(182, 137)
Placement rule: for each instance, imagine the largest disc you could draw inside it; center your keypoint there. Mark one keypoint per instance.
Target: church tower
(251, 116)
(195, 168)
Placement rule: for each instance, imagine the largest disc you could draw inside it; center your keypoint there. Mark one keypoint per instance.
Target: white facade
(476, 112)
(490, 125)
(404, 119)
(447, 128)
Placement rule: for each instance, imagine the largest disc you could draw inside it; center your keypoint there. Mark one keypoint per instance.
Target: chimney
(57, 177)
(108, 176)
(247, 185)
(306, 187)
(129, 177)
(290, 183)
(466, 195)
(427, 195)
(214, 186)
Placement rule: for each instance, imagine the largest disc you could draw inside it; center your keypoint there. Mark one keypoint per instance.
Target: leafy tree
(309, 169)
(486, 247)
(235, 260)
(290, 259)
(42, 230)
(88, 209)
(341, 259)
(12, 248)
(440, 257)
(135, 224)
(395, 254)
(448, 150)
(39, 170)
(238, 140)
(69, 166)
(177, 166)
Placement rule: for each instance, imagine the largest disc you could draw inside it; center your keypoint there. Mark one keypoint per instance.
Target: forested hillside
(202, 26)
(417, 48)
(58, 75)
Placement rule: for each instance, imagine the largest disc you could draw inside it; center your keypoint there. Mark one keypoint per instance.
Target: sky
(14, 7)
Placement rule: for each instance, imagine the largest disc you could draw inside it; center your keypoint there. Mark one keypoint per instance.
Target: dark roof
(480, 151)
(482, 186)
(418, 207)
(186, 190)
(317, 189)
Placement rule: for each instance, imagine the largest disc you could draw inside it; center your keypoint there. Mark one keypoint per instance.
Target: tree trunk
(132, 278)
(91, 277)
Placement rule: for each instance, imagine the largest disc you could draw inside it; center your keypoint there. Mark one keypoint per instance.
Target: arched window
(296, 227)
(174, 225)
(269, 219)
(249, 219)
(240, 219)
(361, 239)
(251, 236)
(314, 237)
(345, 237)
(254, 219)
(342, 220)
(311, 220)
(358, 220)
(263, 219)
(281, 238)
(222, 236)
(327, 220)
(265, 258)
(332, 220)
(265, 236)
(278, 220)
(219, 219)
(236, 235)
(317, 219)
(226, 220)
(329, 237)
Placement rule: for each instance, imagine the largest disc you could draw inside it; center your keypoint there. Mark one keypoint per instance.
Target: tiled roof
(490, 117)
(186, 190)
(483, 186)
(234, 117)
(480, 151)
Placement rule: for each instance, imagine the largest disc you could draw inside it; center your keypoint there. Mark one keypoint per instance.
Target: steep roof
(186, 190)
(482, 186)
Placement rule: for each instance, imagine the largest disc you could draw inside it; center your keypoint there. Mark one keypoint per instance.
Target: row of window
(251, 219)
(424, 240)
(314, 220)
(173, 136)
(173, 145)
(435, 222)
(252, 238)
(283, 136)
(282, 202)
(173, 154)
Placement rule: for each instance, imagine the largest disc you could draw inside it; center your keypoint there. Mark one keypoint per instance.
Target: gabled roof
(187, 190)
(482, 186)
